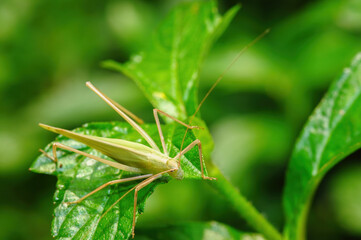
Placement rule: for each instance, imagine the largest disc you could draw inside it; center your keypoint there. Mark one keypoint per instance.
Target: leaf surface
(79, 175)
(167, 71)
(332, 132)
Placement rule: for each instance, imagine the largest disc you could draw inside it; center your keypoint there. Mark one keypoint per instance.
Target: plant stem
(242, 205)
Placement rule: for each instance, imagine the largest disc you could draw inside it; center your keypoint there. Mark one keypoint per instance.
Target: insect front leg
(156, 117)
(189, 147)
(136, 189)
(142, 185)
(156, 111)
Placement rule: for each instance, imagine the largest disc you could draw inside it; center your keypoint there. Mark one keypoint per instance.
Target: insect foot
(196, 127)
(47, 155)
(209, 178)
(70, 203)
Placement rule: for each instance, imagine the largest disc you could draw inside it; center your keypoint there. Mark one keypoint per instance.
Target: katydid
(134, 157)
(149, 162)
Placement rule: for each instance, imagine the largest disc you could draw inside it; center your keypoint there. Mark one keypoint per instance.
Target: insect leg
(155, 113)
(99, 159)
(108, 184)
(120, 107)
(156, 117)
(173, 118)
(123, 115)
(47, 155)
(189, 147)
(137, 188)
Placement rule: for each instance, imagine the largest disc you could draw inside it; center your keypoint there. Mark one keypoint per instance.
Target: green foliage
(331, 134)
(168, 70)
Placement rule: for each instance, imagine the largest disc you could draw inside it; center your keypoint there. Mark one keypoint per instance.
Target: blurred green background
(48, 49)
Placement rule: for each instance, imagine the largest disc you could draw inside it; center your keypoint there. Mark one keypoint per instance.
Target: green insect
(150, 162)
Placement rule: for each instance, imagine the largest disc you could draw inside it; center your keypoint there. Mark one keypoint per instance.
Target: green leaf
(79, 175)
(167, 71)
(332, 133)
(196, 231)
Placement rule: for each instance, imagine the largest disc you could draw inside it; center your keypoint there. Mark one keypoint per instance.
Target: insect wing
(125, 152)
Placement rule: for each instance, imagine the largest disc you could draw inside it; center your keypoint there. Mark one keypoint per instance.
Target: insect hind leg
(117, 105)
(47, 155)
(124, 115)
(156, 117)
(189, 147)
(99, 159)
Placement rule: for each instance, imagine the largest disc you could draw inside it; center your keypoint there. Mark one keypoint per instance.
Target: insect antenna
(240, 53)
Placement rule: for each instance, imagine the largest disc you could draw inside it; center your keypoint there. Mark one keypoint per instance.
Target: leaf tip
(110, 64)
(233, 11)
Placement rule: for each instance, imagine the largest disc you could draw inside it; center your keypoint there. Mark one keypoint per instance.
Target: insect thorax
(174, 164)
